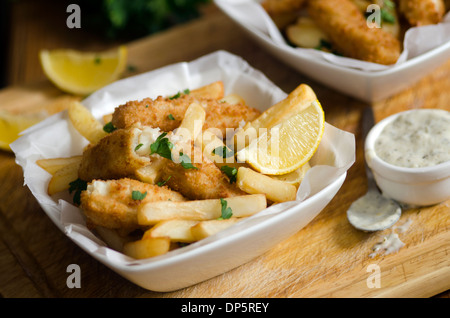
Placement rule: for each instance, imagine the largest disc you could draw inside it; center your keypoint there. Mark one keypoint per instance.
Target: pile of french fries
(168, 224)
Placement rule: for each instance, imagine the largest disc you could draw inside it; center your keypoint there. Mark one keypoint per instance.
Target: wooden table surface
(327, 258)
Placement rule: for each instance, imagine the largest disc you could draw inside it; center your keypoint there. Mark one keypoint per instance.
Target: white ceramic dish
(366, 85)
(55, 137)
(412, 186)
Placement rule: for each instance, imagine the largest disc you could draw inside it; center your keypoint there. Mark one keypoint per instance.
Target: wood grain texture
(327, 258)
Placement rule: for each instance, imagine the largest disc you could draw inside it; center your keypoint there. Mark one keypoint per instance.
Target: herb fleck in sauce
(416, 139)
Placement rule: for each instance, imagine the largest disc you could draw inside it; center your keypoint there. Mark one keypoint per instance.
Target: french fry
(145, 248)
(200, 210)
(204, 229)
(213, 90)
(107, 118)
(254, 182)
(85, 123)
(192, 123)
(209, 143)
(233, 99)
(178, 230)
(305, 33)
(150, 173)
(112, 237)
(60, 180)
(54, 164)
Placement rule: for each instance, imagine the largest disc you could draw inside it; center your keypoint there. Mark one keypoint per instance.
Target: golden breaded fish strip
(347, 29)
(274, 7)
(110, 203)
(113, 157)
(422, 12)
(167, 114)
(206, 181)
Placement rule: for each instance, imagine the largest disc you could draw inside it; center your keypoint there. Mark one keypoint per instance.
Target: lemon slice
(288, 145)
(295, 177)
(82, 73)
(300, 98)
(11, 125)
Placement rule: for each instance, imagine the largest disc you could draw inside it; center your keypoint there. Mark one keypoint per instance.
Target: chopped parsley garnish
(226, 211)
(161, 183)
(109, 127)
(137, 195)
(162, 146)
(138, 147)
(186, 162)
(131, 68)
(97, 60)
(78, 186)
(170, 116)
(389, 4)
(387, 16)
(324, 44)
(223, 151)
(178, 95)
(230, 172)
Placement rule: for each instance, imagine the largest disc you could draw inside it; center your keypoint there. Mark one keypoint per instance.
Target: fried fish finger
(274, 7)
(167, 114)
(111, 204)
(204, 181)
(113, 157)
(347, 29)
(422, 12)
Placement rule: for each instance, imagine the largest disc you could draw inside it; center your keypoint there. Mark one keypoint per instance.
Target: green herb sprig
(226, 211)
(230, 172)
(77, 186)
(162, 146)
(138, 195)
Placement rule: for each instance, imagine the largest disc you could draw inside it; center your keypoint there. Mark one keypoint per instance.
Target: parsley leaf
(230, 172)
(138, 147)
(161, 183)
(170, 116)
(223, 151)
(177, 95)
(109, 127)
(324, 44)
(387, 16)
(162, 146)
(78, 186)
(226, 211)
(186, 162)
(137, 195)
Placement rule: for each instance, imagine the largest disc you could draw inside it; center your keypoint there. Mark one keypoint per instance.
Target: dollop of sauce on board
(415, 139)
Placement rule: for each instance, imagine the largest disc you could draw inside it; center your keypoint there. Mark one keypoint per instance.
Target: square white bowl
(365, 85)
(55, 137)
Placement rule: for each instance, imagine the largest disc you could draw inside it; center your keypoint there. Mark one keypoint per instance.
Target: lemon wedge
(82, 73)
(11, 125)
(295, 177)
(300, 98)
(288, 145)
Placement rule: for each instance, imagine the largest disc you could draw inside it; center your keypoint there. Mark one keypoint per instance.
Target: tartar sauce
(419, 138)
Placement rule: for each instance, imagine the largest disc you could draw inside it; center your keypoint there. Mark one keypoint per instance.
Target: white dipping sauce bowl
(413, 186)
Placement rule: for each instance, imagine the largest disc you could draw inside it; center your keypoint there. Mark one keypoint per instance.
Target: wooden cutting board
(327, 258)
